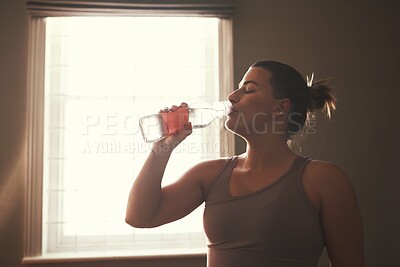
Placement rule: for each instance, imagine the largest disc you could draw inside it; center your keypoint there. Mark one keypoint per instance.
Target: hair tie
(310, 80)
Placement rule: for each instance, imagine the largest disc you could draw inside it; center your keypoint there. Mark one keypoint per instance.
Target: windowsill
(113, 256)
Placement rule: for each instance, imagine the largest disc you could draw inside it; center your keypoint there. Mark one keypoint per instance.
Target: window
(101, 73)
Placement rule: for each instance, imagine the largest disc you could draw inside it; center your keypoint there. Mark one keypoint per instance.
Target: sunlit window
(101, 75)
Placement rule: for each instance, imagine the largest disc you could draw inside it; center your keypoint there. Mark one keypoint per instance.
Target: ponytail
(321, 97)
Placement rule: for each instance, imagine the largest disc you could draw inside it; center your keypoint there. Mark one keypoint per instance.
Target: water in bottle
(155, 127)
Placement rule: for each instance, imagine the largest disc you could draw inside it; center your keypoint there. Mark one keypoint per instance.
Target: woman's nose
(233, 97)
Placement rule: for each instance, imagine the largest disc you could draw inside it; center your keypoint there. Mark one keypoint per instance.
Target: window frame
(36, 83)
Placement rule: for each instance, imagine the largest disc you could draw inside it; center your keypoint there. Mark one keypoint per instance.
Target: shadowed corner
(13, 175)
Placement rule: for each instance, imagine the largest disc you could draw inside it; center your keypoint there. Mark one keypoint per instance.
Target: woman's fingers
(174, 107)
(187, 129)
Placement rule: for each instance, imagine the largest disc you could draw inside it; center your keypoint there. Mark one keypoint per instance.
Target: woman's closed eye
(249, 90)
(246, 90)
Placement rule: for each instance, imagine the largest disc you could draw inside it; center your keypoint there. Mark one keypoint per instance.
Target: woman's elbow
(136, 222)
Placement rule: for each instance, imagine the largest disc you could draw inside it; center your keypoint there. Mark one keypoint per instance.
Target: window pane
(102, 74)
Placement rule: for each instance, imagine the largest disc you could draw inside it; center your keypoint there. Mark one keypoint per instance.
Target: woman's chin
(233, 127)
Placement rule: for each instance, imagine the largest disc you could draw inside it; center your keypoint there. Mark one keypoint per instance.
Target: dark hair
(287, 82)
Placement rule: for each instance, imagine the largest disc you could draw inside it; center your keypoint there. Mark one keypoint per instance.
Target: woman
(268, 206)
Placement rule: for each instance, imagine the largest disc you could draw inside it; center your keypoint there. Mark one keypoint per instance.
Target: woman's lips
(232, 111)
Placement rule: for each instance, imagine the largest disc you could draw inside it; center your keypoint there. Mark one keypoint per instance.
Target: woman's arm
(340, 215)
(147, 198)
(146, 195)
(334, 197)
(149, 204)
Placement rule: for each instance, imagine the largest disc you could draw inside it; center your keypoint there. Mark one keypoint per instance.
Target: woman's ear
(283, 106)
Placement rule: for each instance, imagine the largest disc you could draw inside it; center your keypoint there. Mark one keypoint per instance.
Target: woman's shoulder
(325, 179)
(316, 166)
(206, 171)
(320, 169)
(212, 165)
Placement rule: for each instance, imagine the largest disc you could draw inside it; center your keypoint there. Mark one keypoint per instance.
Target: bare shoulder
(209, 166)
(325, 174)
(206, 171)
(325, 181)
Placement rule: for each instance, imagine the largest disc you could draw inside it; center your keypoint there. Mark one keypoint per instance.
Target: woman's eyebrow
(247, 82)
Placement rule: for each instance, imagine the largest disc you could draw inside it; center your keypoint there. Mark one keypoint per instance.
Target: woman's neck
(269, 153)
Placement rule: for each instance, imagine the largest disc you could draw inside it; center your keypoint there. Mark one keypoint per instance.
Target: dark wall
(13, 153)
(355, 43)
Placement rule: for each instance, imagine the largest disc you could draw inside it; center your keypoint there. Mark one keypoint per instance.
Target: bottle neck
(219, 109)
(223, 108)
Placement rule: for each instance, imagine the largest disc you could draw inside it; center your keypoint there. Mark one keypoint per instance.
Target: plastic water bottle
(155, 127)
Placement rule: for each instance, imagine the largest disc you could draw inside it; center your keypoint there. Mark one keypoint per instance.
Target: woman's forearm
(145, 195)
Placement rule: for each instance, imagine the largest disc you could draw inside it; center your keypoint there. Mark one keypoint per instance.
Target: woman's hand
(164, 147)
